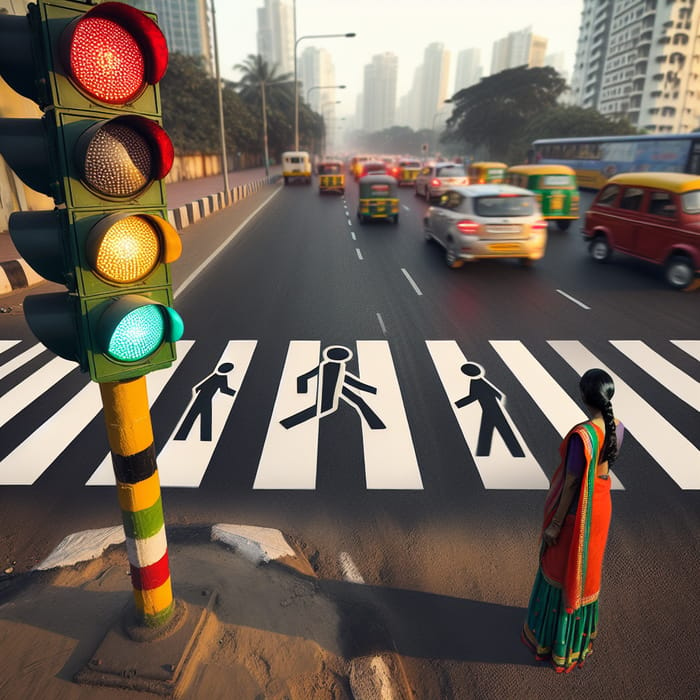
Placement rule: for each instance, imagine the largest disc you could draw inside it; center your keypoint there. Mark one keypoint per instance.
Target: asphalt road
(446, 537)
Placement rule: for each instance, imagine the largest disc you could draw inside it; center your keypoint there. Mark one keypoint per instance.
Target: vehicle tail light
(539, 225)
(466, 226)
(435, 182)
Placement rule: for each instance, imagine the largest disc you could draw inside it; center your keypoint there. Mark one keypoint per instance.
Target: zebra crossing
(315, 380)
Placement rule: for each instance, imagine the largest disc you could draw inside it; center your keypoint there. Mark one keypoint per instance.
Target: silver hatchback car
(434, 179)
(487, 221)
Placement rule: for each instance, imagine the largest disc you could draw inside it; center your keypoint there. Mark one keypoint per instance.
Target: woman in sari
(562, 617)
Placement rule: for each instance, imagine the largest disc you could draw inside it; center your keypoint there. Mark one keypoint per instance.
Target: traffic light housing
(100, 151)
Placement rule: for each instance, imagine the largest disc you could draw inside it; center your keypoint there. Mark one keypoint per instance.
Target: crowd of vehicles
(491, 210)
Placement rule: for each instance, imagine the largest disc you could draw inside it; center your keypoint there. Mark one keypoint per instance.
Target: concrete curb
(17, 274)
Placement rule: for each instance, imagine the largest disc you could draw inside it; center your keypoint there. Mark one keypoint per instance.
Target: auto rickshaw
(555, 188)
(406, 171)
(331, 177)
(482, 172)
(379, 198)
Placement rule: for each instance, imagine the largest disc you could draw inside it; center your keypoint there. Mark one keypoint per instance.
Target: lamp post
(296, 82)
(222, 131)
(322, 87)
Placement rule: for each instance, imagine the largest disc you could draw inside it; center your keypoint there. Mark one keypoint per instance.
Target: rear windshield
(691, 202)
(295, 159)
(369, 167)
(379, 189)
(450, 171)
(557, 181)
(518, 205)
(328, 169)
(409, 164)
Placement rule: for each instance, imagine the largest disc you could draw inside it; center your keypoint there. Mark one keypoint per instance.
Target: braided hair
(597, 389)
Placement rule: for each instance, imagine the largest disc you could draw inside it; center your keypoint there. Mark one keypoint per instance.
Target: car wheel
(395, 219)
(527, 262)
(428, 195)
(415, 190)
(286, 180)
(452, 260)
(599, 249)
(679, 272)
(563, 224)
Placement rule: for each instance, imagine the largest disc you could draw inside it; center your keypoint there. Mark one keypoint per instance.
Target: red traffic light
(113, 52)
(120, 157)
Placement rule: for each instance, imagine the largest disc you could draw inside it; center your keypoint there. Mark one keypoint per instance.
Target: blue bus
(597, 158)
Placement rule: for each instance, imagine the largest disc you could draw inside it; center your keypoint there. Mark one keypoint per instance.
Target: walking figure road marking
(490, 399)
(202, 406)
(334, 382)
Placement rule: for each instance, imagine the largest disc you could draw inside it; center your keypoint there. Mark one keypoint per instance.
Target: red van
(654, 216)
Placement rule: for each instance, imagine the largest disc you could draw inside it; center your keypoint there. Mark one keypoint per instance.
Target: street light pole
(322, 87)
(296, 81)
(222, 130)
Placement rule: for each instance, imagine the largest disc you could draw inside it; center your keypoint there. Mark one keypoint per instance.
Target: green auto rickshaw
(555, 188)
(379, 198)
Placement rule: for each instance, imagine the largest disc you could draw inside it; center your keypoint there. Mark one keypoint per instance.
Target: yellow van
(296, 166)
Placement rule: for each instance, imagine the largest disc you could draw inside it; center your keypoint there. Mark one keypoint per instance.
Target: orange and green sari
(562, 618)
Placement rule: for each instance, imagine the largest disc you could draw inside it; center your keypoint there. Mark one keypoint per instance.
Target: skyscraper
(639, 59)
(276, 35)
(185, 24)
(316, 70)
(379, 103)
(469, 69)
(520, 48)
(434, 77)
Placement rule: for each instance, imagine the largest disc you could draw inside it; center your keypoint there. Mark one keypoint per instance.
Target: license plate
(503, 229)
(556, 202)
(504, 246)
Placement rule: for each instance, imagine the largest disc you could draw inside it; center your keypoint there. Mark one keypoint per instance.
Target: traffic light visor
(113, 52)
(120, 157)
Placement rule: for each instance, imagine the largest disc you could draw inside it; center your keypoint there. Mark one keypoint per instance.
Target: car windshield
(450, 171)
(691, 202)
(331, 169)
(382, 190)
(505, 205)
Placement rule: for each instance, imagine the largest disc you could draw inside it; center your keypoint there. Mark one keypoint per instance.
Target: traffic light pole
(128, 421)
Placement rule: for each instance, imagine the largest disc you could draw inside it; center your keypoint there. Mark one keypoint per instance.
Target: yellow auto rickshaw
(406, 171)
(555, 188)
(379, 198)
(331, 177)
(481, 172)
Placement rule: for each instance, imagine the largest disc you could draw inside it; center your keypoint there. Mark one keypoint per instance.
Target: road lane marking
(500, 468)
(692, 347)
(556, 405)
(676, 455)
(21, 359)
(352, 234)
(675, 380)
(405, 207)
(381, 323)
(288, 459)
(193, 276)
(576, 301)
(7, 344)
(350, 571)
(416, 288)
(359, 253)
(390, 459)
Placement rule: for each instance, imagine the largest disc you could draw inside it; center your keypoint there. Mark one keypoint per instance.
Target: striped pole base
(128, 421)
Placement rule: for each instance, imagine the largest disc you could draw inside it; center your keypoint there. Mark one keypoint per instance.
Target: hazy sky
(403, 27)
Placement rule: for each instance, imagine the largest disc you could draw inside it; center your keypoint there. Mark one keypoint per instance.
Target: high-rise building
(520, 48)
(379, 103)
(433, 84)
(639, 59)
(469, 69)
(276, 35)
(316, 70)
(185, 24)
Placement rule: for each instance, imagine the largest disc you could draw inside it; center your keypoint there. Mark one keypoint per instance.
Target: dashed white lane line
(416, 288)
(576, 301)
(354, 237)
(359, 253)
(381, 323)
(405, 207)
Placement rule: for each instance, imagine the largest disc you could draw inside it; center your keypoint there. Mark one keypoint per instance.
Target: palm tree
(257, 73)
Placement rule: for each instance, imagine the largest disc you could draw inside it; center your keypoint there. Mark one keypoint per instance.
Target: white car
(436, 178)
(487, 221)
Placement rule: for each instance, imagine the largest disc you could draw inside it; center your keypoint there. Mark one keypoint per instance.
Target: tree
(496, 109)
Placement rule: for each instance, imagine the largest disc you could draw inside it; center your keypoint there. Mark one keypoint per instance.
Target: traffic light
(100, 151)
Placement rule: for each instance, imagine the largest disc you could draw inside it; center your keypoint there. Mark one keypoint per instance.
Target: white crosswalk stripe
(289, 458)
(499, 467)
(674, 453)
(562, 411)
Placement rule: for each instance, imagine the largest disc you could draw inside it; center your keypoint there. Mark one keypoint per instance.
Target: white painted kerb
(257, 544)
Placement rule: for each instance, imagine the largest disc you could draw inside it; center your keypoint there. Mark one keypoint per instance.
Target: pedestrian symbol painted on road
(490, 399)
(334, 383)
(201, 407)
(499, 451)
